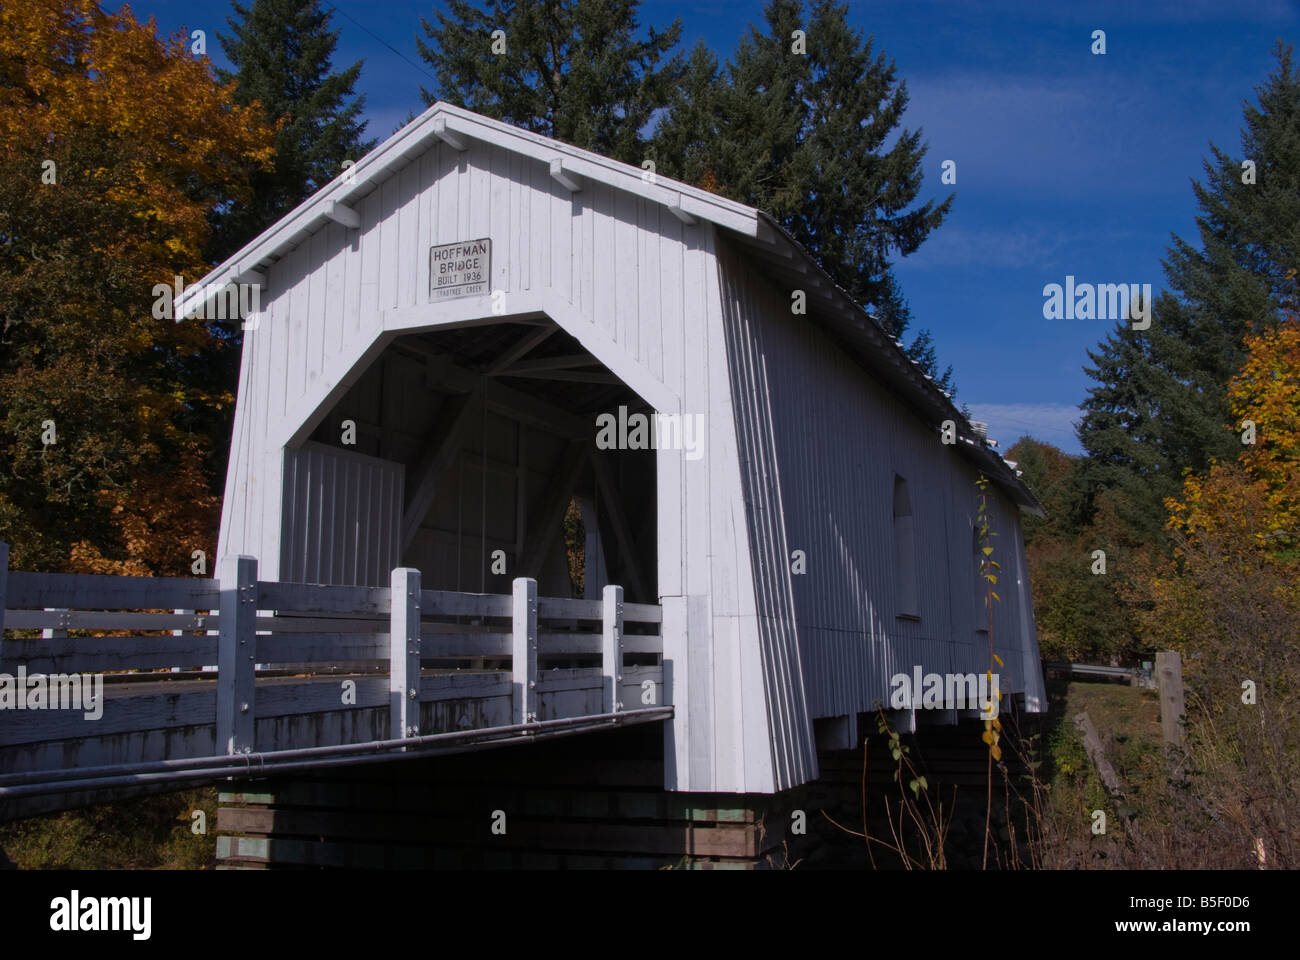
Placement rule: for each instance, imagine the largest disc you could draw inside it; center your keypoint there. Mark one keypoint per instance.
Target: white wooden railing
(282, 650)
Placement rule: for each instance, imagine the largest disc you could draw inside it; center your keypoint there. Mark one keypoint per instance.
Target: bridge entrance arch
(474, 453)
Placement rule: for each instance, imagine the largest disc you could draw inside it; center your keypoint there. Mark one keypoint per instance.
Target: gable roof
(758, 234)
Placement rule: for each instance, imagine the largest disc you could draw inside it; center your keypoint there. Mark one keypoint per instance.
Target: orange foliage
(161, 520)
(1266, 391)
(164, 133)
(115, 147)
(1234, 581)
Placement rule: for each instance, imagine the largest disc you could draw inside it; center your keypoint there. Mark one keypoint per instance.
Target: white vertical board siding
(769, 619)
(250, 515)
(733, 726)
(342, 512)
(617, 261)
(824, 441)
(235, 505)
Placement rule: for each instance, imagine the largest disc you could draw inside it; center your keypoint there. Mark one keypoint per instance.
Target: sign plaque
(461, 269)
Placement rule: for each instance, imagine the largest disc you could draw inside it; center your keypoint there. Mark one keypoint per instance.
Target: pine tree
(1160, 403)
(687, 133)
(281, 50)
(748, 128)
(895, 316)
(569, 69)
(795, 124)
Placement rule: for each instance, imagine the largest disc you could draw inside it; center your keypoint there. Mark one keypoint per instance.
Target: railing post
(236, 650)
(179, 633)
(612, 646)
(55, 633)
(404, 654)
(524, 651)
(1169, 671)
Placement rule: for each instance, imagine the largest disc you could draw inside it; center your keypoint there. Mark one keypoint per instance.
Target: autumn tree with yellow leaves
(115, 145)
(1229, 600)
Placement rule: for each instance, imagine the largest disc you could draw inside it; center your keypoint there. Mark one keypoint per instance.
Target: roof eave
(929, 400)
(445, 122)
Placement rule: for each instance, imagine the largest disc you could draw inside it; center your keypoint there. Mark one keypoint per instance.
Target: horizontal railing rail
(1093, 669)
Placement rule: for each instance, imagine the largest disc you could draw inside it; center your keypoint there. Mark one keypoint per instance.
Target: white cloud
(1049, 422)
(956, 245)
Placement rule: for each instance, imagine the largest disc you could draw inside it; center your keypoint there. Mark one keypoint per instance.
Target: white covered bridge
(456, 347)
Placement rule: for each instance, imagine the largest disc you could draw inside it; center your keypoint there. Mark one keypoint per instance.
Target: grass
(148, 833)
(1176, 827)
(1128, 722)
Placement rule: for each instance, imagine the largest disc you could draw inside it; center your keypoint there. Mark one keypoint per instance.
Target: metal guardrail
(1136, 676)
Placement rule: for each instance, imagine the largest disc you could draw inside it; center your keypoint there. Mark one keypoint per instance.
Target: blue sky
(1067, 162)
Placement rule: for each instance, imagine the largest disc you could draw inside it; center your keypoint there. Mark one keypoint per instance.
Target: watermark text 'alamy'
(1101, 301)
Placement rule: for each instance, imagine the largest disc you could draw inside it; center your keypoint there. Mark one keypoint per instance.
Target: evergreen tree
(1046, 470)
(1160, 404)
(569, 69)
(281, 51)
(687, 136)
(896, 316)
(795, 124)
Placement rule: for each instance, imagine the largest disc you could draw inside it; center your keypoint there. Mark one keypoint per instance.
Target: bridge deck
(309, 675)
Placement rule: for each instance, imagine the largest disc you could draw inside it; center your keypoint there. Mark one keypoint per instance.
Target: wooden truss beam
(613, 503)
(550, 518)
(441, 446)
(576, 376)
(554, 363)
(519, 350)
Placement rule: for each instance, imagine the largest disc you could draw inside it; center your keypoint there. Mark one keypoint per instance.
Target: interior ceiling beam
(554, 363)
(517, 405)
(441, 374)
(576, 376)
(519, 350)
(413, 324)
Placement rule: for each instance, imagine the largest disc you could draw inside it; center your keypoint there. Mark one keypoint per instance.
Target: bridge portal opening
(472, 454)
